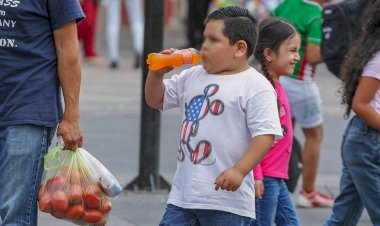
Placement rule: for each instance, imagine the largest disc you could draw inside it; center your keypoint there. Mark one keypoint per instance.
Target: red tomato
(105, 205)
(58, 214)
(92, 196)
(41, 191)
(55, 183)
(74, 212)
(44, 202)
(75, 194)
(102, 222)
(60, 201)
(92, 216)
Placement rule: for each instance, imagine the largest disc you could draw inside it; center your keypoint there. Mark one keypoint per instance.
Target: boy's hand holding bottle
(166, 60)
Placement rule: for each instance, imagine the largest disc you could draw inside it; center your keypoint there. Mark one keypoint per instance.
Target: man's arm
(313, 54)
(69, 72)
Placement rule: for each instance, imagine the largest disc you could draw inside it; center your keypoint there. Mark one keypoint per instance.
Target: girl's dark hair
(272, 33)
(239, 24)
(361, 52)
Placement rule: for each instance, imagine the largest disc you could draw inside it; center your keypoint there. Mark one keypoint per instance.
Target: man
(38, 57)
(304, 97)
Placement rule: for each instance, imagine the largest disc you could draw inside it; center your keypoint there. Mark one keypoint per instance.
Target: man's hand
(229, 180)
(71, 133)
(259, 188)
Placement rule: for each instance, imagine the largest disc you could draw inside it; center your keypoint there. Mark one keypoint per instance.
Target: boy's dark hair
(273, 32)
(362, 51)
(239, 24)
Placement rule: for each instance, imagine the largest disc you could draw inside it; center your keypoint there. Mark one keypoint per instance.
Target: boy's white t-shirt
(220, 116)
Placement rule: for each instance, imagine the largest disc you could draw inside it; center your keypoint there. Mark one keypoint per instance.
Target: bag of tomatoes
(71, 189)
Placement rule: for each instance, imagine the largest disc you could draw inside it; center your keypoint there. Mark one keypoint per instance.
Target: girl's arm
(259, 178)
(232, 178)
(361, 103)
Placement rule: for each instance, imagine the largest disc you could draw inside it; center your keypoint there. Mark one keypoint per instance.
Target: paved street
(110, 118)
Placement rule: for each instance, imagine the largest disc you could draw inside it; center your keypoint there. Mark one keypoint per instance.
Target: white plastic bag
(107, 181)
(76, 187)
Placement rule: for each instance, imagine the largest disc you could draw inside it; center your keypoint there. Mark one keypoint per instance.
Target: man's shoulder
(304, 5)
(311, 6)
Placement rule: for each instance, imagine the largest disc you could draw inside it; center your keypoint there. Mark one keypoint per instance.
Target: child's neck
(235, 70)
(274, 75)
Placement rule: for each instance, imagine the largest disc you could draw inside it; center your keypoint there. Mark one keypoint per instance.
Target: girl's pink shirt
(276, 161)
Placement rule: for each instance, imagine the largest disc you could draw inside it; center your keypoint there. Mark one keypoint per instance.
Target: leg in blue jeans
(22, 148)
(286, 213)
(360, 182)
(177, 216)
(221, 218)
(348, 206)
(276, 205)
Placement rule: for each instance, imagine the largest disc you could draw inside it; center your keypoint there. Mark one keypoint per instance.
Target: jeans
(22, 150)
(276, 205)
(177, 216)
(360, 180)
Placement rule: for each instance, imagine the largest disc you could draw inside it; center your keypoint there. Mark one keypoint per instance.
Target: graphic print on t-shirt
(7, 23)
(199, 107)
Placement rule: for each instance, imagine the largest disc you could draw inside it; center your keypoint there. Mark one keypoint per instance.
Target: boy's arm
(232, 178)
(154, 89)
(154, 85)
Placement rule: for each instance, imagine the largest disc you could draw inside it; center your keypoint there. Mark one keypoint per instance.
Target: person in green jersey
(304, 97)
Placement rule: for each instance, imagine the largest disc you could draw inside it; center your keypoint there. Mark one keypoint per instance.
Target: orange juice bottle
(157, 61)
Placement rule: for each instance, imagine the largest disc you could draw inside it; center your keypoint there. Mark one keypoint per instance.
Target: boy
(230, 120)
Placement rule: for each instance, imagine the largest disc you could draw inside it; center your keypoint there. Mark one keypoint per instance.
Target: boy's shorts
(177, 216)
(305, 101)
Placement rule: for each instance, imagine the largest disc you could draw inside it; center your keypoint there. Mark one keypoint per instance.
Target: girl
(360, 181)
(277, 52)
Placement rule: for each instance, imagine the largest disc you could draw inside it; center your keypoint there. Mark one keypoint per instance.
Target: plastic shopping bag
(106, 180)
(73, 191)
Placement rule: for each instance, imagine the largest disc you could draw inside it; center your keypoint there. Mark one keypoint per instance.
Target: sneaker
(314, 199)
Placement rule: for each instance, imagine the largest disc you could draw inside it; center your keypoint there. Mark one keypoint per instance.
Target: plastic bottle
(157, 61)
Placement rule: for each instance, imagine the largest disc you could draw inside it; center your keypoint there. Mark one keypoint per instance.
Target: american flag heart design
(202, 151)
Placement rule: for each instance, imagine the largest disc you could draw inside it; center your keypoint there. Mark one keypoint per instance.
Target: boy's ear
(268, 54)
(241, 48)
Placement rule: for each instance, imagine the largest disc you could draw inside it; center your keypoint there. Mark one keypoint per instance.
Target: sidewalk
(110, 119)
